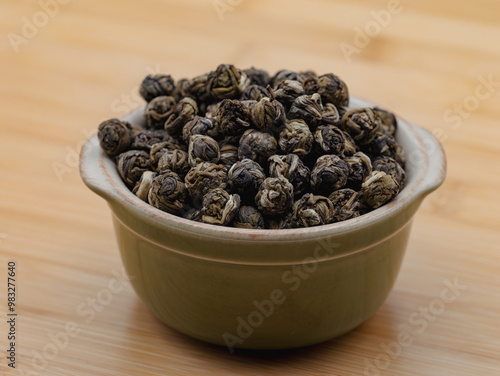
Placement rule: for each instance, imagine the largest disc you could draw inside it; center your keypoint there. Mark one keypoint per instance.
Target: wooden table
(71, 64)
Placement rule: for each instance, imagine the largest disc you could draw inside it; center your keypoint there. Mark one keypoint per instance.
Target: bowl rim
(424, 173)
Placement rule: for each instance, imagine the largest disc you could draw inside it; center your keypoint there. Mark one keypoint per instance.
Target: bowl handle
(92, 169)
(432, 154)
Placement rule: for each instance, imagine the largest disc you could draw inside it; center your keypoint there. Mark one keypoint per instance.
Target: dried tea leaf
(379, 188)
(362, 124)
(245, 177)
(333, 90)
(275, 196)
(185, 111)
(249, 217)
(308, 108)
(329, 174)
(204, 177)
(360, 167)
(345, 203)
(131, 165)
(292, 168)
(219, 207)
(174, 160)
(168, 193)
(233, 118)
(296, 138)
(114, 136)
(312, 210)
(228, 82)
(141, 189)
(155, 85)
(203, 149)
(158, 110)
(256, 145)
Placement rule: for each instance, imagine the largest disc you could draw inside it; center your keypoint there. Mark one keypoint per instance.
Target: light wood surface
(85, 64)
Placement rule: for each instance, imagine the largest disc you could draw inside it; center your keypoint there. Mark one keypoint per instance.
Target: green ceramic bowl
(265, 289)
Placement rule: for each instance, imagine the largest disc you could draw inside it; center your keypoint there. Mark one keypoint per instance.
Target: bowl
(265, 289)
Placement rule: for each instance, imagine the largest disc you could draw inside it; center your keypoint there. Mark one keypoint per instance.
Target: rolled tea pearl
(198, 88)
(249, 217)
(259, 77)
(254, 92)
(228, 154)
(181, 89)
(168, 193)
(131, 165)
(245, 177)
(360, 166)
(362, 124)
(202, 149)
(157, 150)
(268, 114)
(115, 136)
(204, 177)
(296, 138)
(308, 108)
(330, 139)
(199, 125)
(385, 145)
(389, 121)
(275, 196)
(391, 167)
(233, 118)
(345, 204)
(155, 85)
(219, 207)
(329, 174)
(145, 139)
(174, 160)
(158, 110)
(379, 188)
(227, 82)
(258, 146)
(331, 115)
(283, 75)
(287, 92)
(141, 189)
(312, 210)
(185, 111)
(291, 167)
(333, 90)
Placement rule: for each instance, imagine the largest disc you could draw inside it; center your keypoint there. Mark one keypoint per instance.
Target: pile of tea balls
(242, 148)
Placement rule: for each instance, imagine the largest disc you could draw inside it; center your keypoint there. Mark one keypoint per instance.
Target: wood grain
(85, 64)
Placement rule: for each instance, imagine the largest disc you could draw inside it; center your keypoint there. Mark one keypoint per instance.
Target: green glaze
(203, 280)
(203, 298)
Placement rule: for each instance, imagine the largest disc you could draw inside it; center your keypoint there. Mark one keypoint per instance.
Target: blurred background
(66, 65)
